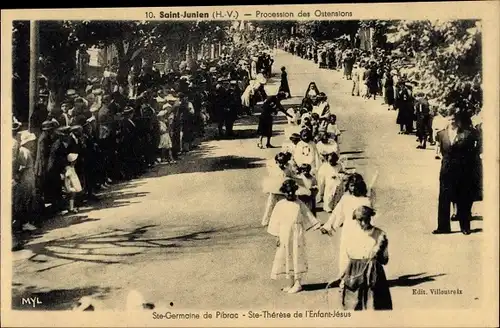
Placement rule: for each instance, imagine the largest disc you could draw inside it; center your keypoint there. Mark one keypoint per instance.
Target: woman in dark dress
(388, 89)
(372, 81)
(404, 104)
(270, 107)
(364, 285)
(284, 87)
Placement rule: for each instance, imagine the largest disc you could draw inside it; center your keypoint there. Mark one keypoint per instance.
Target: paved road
(190, 234)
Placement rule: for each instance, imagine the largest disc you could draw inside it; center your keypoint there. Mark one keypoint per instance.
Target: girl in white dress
(72, 182)
(330, 183)
(165, 145)
(354, 197)
(281, 169)
(289, 221)
(307, 153)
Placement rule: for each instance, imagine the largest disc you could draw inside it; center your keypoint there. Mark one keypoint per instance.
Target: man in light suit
(456, 180)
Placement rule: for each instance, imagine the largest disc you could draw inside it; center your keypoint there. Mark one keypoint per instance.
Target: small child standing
(333, 129)
(310, 185)
(289, 221)
(165, 145)
(72, 182)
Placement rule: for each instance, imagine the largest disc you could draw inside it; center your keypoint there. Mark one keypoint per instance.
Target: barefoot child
(72, 182)
(289, 221)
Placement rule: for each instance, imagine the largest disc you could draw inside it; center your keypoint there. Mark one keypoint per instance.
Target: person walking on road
(342, 216)
(289, 221)
(284, 87)
(270, 107)
(364, 284)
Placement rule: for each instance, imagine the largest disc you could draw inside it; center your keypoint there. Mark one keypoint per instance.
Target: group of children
(309, 170)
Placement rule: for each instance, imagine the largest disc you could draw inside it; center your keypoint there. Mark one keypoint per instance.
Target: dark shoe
(437, 157)
(433, 143)
(440, 232)
(454, 218)
(466, 232)
(270, 146)
(420, 147)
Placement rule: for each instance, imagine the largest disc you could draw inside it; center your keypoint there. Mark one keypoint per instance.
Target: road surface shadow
(55, 299)
(320, 286)
(403, 281)
(117, 245)
(351, 152)
(196, 162)
(410, 280)
(113, 199)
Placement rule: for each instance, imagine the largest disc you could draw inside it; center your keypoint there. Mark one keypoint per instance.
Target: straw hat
(71, 93)
(26, 137)
(72, 157)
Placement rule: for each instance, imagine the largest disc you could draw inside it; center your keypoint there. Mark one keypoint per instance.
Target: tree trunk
(124, 62)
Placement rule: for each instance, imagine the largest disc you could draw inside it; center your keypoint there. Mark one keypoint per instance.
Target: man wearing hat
(458, 145)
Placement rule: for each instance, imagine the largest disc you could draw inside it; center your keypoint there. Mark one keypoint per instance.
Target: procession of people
(309, 170)
(104, 132)
(379, 73)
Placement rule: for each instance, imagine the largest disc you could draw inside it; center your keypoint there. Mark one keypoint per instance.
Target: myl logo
(33, 301)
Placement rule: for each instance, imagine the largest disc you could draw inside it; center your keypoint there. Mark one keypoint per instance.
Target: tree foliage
(445, 60)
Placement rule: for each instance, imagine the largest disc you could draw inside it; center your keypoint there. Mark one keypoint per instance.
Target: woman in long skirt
(25, 191)
(284, 87)
(289, 221)
(270, 107)
(364, 284)
(388, 89)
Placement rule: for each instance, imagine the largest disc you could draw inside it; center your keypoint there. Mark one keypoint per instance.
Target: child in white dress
(280, 170)
(342, 216)
(330, 183)
(72, 182)
(289, 221)
(165, 145)
(306, 152)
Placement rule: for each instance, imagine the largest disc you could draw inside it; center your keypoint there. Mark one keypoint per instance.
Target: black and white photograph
(242, 169)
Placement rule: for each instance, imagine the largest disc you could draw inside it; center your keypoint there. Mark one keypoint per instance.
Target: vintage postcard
(293, 165)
